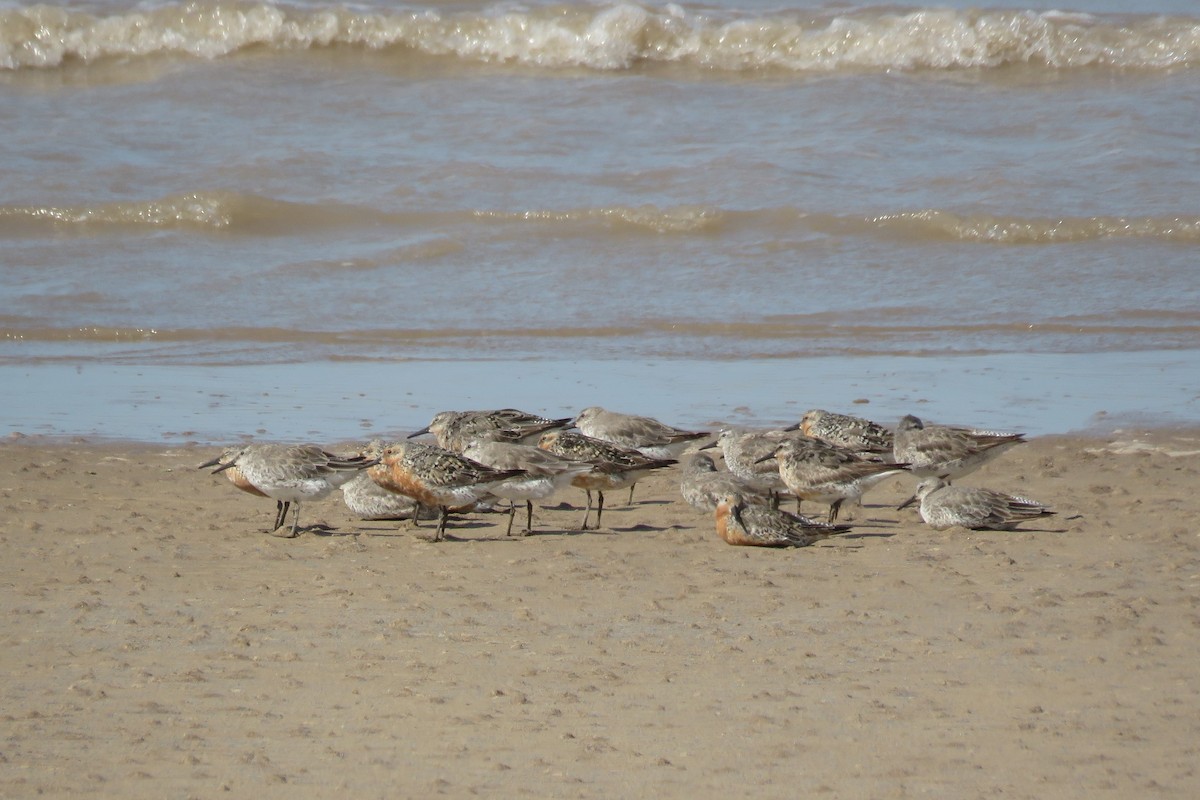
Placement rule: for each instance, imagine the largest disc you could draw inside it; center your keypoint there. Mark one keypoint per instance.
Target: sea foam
(615, 37)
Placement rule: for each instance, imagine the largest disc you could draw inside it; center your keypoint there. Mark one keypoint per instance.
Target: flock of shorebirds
(506, 454)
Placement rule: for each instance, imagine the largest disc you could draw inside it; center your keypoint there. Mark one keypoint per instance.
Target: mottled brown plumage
(613, 467)
(759, 525)
(435, 477)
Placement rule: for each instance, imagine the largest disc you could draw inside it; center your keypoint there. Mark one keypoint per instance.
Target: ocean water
(314, 220)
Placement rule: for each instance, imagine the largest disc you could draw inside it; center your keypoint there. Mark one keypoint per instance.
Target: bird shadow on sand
(867, 535)
(642, 527)
(1016, 530)
(448, 536)
(561, 532)
(401, 527)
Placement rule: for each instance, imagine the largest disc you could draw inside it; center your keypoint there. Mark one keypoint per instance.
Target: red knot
(759, 525)
(647, 435)
(853, 433)
(435, 477)
(814, 470)
(544, 473)
(748, 455)
(288, 474)
(454, 430)
(613, 467)
(703, 485)
(946, 451)
(944, 506)
(366, 499)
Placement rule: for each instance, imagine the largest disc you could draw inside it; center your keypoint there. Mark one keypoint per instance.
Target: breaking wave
(248, 214)
(1047, 230)
(614, 36)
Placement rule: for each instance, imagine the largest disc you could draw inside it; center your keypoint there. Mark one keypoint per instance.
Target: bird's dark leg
(281, 509)
(441, 529)
(587, 511)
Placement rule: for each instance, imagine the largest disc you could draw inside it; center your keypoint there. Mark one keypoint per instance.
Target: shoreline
(1035, 394)
(1123, 439)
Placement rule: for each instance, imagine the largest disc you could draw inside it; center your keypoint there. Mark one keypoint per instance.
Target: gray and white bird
(703, 485)
(288, 474)
(543, 474)
(815, 470)
(647, 435)
(947, 451)
(366, 499)
(944, 506)
(748, 455)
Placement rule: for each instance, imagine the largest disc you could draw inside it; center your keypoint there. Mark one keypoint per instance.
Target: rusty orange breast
(238, 479)
(394, 477)
(722, 518)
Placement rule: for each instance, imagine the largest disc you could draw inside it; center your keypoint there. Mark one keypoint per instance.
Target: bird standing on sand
(435, 477)
(748, 453)
(758, 525)
(647, 435)
(945, 451)
(613, 467)
(287, 473)
(814, 470)
(544, 473)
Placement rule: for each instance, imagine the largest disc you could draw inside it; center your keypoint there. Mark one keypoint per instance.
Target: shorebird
(747, 455)
(814, 470)
(703, 485)
(366, 499)
(757, 525)
(239, 480)
(853, 433)
(544, 474)
(287, 473)
(613, 467)
(947, 452)
(944, 506)
(647, 435)
(454, 430)
(435, 477)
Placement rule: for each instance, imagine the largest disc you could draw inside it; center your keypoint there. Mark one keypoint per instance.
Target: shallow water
(351, 401)
(335, 195)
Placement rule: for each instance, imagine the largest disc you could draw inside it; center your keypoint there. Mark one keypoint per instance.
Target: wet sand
(156, 643)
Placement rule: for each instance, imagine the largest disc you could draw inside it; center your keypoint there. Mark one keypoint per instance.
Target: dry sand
(157, 644)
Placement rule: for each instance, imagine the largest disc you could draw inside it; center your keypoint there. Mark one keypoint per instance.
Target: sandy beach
(157, 643)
